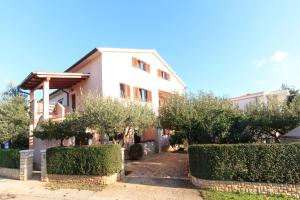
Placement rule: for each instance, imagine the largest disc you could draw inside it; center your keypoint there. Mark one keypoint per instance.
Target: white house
(136, 74)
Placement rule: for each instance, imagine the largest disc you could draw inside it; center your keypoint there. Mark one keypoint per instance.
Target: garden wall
(16, 164)
(149, 147)
(248, 187)
(253, 168)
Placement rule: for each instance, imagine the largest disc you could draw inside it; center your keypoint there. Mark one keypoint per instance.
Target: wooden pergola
(50, 80)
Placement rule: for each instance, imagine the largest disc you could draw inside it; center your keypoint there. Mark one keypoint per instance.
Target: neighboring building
(120, 73)
(252, 98)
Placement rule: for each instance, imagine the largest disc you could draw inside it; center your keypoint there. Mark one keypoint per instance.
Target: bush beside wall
(269, 163)
(103, 160)
(10, 158)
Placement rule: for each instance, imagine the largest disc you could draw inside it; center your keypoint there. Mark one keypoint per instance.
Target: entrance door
(73, 102)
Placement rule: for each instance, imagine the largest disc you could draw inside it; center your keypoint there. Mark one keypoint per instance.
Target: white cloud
(278, 61)
(279, 56)
(281, 68)
(261, 62)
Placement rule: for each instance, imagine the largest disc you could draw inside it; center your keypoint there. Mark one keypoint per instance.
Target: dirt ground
(163, 165)
(158, 177)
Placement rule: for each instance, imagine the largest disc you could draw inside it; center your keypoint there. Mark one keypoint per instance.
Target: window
(142, 94)
(124, 90)
(140, 64)
(162, 74)
(61, 101)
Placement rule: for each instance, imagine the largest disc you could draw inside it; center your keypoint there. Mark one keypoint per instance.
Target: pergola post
(32, 122)
(46, 98)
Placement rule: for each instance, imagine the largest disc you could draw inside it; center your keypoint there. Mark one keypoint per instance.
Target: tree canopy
(14, 119)
(106, 115)
(205, 118)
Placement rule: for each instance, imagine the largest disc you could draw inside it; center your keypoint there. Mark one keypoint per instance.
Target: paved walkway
(165, 181)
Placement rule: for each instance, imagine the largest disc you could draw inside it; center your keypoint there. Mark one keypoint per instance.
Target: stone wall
(248, 187)
(26, 166)
(149, 148)
(101, 180)
(10, 173)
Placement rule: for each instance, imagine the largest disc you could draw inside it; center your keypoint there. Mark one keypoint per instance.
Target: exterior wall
(117, 68)
(110, 68)
(243, 101)
(39, 145)
(149, 148)
(248, 187)
(10, 173)
(149, 134)
(93, 84)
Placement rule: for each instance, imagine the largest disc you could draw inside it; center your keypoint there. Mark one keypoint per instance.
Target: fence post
(122, 174)
(44, 176)
(26, 164)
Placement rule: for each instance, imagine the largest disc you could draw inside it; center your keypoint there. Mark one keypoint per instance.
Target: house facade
(135, 74)
(253, 98)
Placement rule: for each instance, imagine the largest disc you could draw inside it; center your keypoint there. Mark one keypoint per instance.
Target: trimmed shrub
(102, 160)
(271, 163)
(10, 158)
(136, 151)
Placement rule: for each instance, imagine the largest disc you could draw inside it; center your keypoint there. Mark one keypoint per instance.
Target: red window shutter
(136, 93)
(158, 72)
(134, 62)
(147, 68)
(168, 76)
(128, 91)
(149, 96)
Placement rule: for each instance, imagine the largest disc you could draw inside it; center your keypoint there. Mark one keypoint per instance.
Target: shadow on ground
(162, 182)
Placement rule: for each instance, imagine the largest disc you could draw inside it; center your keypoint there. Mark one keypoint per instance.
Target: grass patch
(55, 185)
(216, 195)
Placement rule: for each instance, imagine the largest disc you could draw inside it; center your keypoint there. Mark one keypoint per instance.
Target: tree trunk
(61, 142)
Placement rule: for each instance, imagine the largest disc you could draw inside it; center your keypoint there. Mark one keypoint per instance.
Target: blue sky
(228, 47)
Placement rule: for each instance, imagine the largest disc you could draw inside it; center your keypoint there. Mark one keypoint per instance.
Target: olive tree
(273, 118)
(116, 117)
(72, 126)
(202, 118)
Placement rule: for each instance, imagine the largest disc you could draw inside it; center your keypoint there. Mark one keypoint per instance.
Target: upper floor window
(124, 90)
(163, 74)
(142, 94)
(140, 64)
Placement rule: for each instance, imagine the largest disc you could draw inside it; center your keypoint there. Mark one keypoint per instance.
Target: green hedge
(271, 163)
(10, 158)
(100, 160)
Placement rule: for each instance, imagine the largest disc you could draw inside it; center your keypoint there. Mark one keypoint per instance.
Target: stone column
(44, 175)
(26, 164)
(46, 98)
(158, 139)
(122, 173)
